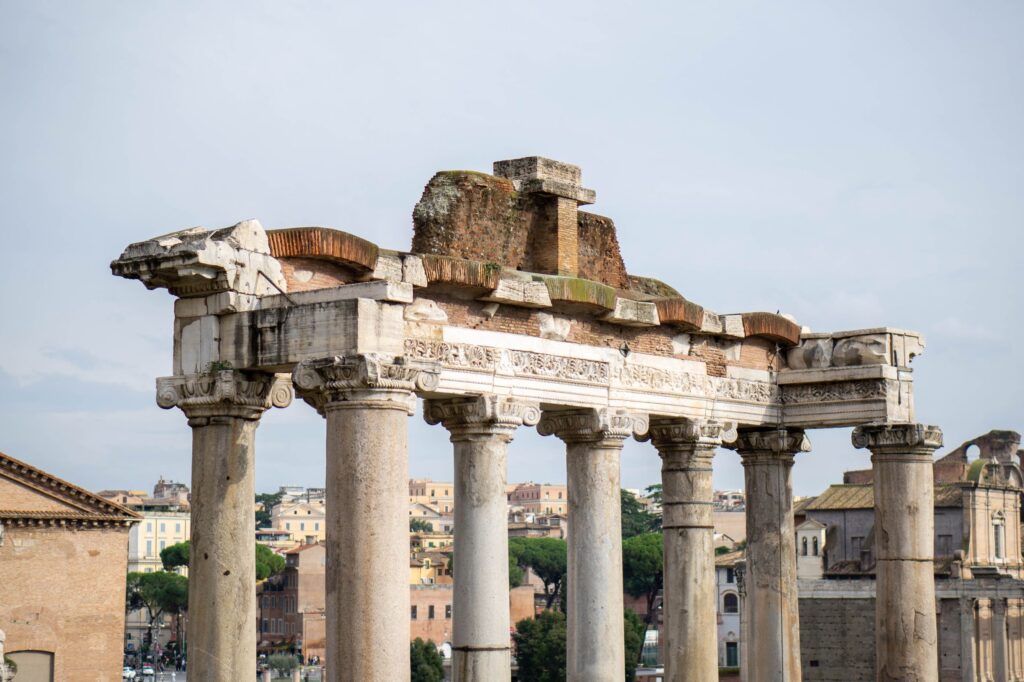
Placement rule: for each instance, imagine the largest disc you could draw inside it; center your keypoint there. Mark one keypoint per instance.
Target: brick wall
(837, 639)
(62, 590)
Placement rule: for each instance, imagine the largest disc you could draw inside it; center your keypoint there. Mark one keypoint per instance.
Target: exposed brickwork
(568, 236)
(326, 243)
(62, 591)
(513, 320)
(304, 274)
(758, 353)
(839, 635)
(481, 217)
(599, 256)
(713, 356)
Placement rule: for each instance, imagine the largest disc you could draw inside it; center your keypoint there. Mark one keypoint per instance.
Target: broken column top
(536, 174)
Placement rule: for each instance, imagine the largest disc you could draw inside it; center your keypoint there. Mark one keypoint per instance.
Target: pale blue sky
(853, 164)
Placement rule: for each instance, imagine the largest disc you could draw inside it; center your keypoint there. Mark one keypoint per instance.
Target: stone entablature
(515, 305)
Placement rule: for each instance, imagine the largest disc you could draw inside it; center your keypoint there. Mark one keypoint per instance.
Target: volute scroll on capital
(668, 432)
(481, 410)
(780, 441)
(228, 392)
(897, 437)
(592, 425)
(350, 380)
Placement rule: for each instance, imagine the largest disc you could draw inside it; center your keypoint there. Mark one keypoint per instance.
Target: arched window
(803, 546)
(731, 603)
(814, 545)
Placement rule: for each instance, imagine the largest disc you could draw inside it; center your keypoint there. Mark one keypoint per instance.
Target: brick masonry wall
(62, 591)
(837, 640)
(481, 217)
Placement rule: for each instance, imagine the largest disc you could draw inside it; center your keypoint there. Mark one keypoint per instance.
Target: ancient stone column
(1015, 635)
(366, 401)
(905, 624)
(1000, 650)
(481, 429)
(968, 666)
(983, 640)
(771, 609)
(223, 409)
(594, 441)
(690, 604)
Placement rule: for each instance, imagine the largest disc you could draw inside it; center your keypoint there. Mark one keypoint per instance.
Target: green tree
(267, 562)
(547, 558)
(426, 661)
(419, 526)
(268, 500)
(654, 493)
(635, 517)
(642, 568)
(158, 592)
(282, 663)
(634, 630)
(174, 556)
(515, 572)
(540, 647)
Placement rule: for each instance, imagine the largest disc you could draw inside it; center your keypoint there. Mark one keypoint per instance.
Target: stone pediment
(29, 495)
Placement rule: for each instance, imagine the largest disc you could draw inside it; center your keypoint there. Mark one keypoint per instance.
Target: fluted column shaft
(366, 403)
(690, 599)
(481, 429)
(905, 624)
(223, 409)
(771, 607)
(1000, 650)
(594, 439)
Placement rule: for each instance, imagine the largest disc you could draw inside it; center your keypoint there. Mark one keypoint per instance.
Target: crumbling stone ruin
(514, 308)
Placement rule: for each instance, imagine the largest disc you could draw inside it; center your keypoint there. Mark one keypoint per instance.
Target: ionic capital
(362, 381)
(668, 434)
(592, 426)
(479, 416)
(224, 393)
(893, 439)
(762, 444)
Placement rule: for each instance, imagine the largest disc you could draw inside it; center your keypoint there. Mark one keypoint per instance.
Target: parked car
(148, 671)
(127, 673)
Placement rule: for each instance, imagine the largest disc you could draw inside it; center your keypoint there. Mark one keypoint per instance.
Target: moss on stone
(577, 290)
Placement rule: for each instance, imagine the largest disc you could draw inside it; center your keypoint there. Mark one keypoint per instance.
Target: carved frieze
(897, 437)
(516, 362)
(578, 426)
(327, 381)
(835, 391)
(224, 393)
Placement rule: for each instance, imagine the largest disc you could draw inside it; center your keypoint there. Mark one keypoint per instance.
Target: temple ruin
(513, 308)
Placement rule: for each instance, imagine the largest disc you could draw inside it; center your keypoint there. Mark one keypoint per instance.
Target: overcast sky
(852, 164)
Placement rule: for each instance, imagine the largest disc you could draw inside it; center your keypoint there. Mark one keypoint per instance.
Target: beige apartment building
(437, 494)
(540, 498)
(302, 517)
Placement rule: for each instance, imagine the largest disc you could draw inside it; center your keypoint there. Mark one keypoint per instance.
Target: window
(163, 527)
(149, 527)
(430, 612)
(730, 575)
(149, 548)
(732, 654)
(414, 612)
(302, 526)
(316, 526)
(448, 611)
(944, 546)
(814, 545)
(998, 537)
(177, 528)
(559, 495)
(163, 545)
(731, 603)
(856, 543)
(287, 526)
(265, 627)
(803, 546)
